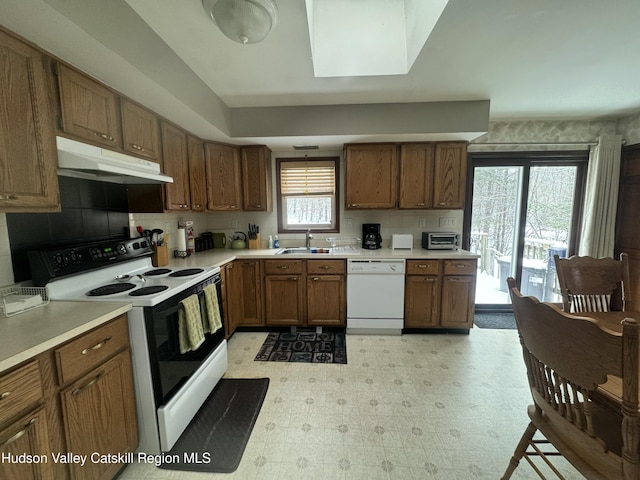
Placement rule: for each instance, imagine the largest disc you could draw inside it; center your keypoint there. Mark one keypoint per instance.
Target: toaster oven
(440, 241)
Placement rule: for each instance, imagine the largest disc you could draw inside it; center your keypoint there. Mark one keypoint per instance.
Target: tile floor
(418, 406)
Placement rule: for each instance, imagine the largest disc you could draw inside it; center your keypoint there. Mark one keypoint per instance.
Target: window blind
(308, 178)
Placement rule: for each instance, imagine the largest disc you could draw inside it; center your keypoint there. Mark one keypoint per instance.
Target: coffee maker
(371, 239)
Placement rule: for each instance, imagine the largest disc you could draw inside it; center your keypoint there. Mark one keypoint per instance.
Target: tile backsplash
(91, 211)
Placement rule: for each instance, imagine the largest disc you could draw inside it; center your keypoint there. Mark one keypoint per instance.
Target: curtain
(601, 198)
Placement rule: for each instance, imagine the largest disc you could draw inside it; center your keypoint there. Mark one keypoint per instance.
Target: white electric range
(170, 386)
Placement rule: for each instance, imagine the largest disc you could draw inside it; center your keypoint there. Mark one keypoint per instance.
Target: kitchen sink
(304, 251)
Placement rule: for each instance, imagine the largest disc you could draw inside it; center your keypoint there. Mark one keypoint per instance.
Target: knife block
(160, 256)
(255, 243)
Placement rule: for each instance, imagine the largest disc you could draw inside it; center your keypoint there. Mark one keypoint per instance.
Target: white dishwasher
(375, 296)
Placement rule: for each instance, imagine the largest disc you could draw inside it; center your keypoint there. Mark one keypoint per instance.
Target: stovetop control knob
(59, 259)
(121, 249)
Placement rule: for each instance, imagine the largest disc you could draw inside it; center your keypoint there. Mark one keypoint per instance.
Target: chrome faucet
(308, 240)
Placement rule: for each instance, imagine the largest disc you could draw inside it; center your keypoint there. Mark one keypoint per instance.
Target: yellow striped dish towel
(190, 331)
(211, 308)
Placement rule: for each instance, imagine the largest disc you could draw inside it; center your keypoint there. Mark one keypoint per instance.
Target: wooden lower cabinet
(23, 441)
(244, 294)
(284, 292)
(68, 402)
(97, 411)
(440, 293)
(326, 300)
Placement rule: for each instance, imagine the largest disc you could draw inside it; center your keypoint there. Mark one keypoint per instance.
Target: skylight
(372, 37)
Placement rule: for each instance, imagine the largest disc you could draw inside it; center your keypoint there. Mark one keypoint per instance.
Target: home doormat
(215, 439)
(495, 320)
(304, 347)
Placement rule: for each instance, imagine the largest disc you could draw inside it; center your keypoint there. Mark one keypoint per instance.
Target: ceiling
(489, 60)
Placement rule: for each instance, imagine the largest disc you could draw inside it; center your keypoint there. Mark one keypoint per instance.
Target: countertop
(30, 333)
(218, 257)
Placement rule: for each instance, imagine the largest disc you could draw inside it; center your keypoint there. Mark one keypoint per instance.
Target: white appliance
(375, 296)
(170, 387)
(82, 160)
(402, 242)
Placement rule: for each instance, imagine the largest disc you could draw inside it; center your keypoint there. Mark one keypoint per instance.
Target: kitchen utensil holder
(160, 256)
(255, 243)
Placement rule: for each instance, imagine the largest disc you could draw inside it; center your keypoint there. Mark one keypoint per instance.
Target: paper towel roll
(182, 240)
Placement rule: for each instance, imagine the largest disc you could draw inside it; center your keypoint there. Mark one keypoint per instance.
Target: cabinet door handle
(443, 204)
(4, 395)
(453, 279)
(354, 204)
(104, 136)
(8, 197)
(97, 346)
(136, 147)
(87, 385)
(419, 204)
(293, 278)
(20, 433)
(429, 279)
(316, 279)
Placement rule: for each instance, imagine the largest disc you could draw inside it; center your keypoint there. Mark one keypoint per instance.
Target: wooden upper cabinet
(256, 178)
(28, 157)
(197, 174)
(450, 172)
(89, 110)
(222, 163)
(371, 175)
(140, 131)
(176, 165)
(416, 175)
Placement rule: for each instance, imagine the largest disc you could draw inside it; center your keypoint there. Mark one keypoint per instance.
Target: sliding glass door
(524, 210)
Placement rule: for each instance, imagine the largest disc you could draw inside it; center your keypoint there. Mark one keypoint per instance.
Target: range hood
(76, 159)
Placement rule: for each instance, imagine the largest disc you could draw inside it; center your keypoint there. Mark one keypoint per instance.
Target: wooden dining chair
(590, 284)
(567, 357)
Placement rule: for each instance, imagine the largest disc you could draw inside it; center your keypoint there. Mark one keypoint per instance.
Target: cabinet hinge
(54, 68)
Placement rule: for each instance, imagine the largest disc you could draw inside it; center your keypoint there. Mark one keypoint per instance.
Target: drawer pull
(315, 279)
(4, 395)
(422, 265)
(293, 278)
(429, 279)
(97, 346)
(283, 266)
(8, 197)
(420, 204)
(325, 267)
(84, 387)
(460, 265)
(20, 433)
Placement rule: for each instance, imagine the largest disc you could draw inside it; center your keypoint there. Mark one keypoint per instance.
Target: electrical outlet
(447, 222)
(234, 223)
(422, 222)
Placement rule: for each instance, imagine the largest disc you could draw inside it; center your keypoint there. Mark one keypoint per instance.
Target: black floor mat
(216, 438)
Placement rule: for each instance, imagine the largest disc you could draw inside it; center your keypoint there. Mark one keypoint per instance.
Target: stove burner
(186, 272)
(148, 290)
(110, 289)
(157, 271)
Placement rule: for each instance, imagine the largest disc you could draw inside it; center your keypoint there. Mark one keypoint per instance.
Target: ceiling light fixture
(243, 21)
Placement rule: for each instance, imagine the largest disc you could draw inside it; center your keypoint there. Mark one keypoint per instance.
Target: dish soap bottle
(270, 241)
(276, 242)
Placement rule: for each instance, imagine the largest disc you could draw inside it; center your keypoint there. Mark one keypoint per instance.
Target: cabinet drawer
(91, 349)
(19, 390)
(423, 267)
(282, 267)
(460, 267)
(321, 267)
